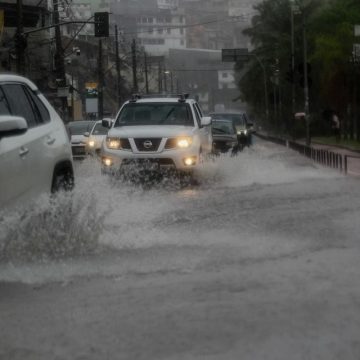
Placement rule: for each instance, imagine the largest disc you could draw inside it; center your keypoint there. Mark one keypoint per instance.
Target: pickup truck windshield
(135, 114)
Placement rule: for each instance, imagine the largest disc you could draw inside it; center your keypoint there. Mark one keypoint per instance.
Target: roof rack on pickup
(181, 97)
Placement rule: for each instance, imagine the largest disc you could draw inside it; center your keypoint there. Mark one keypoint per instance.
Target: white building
(161, 32)
(226, 79)
(77, 11)
(168, 4)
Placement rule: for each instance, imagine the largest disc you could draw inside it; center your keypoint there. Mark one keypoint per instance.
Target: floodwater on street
(257, 261)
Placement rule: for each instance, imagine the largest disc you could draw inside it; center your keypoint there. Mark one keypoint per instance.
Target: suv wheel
(63, 179)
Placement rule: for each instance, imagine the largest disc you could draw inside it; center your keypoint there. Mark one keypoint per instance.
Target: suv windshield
(222, 127)
(155, 114)
(237, 119)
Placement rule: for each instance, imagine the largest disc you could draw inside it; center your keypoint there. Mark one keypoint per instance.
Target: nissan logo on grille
(147, 144)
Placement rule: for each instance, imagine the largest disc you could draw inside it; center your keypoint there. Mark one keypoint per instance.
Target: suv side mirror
(12, 125)
(107, 123)
(250, 127)
(87, 134)
(206, 121)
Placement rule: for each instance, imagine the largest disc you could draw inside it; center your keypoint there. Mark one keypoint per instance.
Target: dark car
(76, 131)
(244, 128)
(224, 136)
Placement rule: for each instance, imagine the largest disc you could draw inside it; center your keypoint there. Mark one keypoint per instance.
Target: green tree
(333, 33)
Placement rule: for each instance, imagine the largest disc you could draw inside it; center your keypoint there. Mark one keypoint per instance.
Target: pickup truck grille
(171, 143)
(147, 144)
(125, 144)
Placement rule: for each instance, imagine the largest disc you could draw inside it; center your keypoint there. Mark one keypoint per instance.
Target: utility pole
(59, 59)
(159, 77)
(118, 73)
(146, 73)
(72, 95)
(100, 83)
(171, 82)
(134, 66)
(164, 73)
(19, 39)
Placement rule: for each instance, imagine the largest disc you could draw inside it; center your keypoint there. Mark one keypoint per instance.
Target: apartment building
(158, 33)
(157, 25)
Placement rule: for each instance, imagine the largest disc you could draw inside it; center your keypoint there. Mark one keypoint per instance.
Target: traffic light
(101, 24)
(20, 42)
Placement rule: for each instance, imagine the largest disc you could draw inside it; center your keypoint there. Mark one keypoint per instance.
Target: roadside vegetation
(333, 64)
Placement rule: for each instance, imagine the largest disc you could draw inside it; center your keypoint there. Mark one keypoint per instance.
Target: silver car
(95, 137)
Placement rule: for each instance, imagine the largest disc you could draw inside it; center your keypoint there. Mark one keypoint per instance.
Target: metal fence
(324, 157)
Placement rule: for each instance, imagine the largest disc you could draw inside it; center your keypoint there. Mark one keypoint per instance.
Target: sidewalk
(353, 156)
(350, 159)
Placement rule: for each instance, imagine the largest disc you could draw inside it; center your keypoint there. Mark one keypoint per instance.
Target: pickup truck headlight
(91, 143)
(113, 143)
(184, 142)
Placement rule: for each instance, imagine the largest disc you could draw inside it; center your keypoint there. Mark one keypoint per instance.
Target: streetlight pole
(306, 83)
(265, 86)
(293, 9)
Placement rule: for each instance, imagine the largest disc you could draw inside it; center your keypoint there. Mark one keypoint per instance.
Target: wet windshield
(99, 130)
(137, 114)
(238, 119)
(222, 127)
(79, 128)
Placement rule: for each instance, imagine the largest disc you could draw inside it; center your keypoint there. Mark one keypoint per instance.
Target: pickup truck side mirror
(12, 125)
(87, 134)
(107, 123)
(206, 121)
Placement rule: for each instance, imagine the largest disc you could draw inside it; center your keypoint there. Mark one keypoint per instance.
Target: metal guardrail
(346, 162)
(322, 156)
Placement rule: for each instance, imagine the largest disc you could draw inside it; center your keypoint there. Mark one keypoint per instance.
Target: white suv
(35, 152)
(157, 132)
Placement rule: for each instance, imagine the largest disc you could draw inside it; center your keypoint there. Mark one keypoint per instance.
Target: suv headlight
(184, 142)
(113, 143)
(91, 143)
(242, 132)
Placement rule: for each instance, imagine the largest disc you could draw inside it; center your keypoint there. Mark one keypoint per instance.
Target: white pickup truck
(157, 132)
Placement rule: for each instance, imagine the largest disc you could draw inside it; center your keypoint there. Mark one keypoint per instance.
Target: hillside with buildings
(164, 45)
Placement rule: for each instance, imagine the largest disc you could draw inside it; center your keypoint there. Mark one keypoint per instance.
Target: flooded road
(259, 261)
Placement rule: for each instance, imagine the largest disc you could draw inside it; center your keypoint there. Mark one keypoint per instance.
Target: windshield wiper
(221, 131)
